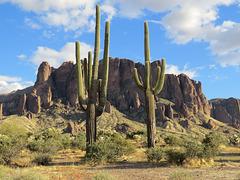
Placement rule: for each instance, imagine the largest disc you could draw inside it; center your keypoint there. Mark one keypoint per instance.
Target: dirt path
(147, 171)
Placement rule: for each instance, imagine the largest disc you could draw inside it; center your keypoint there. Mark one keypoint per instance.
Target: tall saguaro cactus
(94, 86)
(148, 90)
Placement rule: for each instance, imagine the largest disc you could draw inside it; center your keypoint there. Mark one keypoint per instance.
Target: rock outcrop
(21, 108)
(185, 95)
(226, 111)
(34, 102)
(73, 128)
(211, 125)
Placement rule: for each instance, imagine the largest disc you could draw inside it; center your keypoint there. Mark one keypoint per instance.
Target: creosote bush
(173, 140)
(211, 145)
(13, 139)
(175, 156)
(154, 154)
(108, 148)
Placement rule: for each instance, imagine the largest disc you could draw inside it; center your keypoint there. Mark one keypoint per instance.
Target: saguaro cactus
(150, 91)
(93, 85)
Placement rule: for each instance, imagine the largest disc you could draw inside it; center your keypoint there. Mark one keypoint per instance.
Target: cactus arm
(137, 81)
(160, 81)
(86, 73)
(96, 47)
(157, 78)
(80, 79)
(89, 68)
(146, 42)
(103, 91)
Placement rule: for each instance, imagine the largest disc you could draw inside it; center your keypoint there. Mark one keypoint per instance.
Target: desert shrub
(42, 159)
(173, 140)
(102, 176)
(66, 141)
(79, 141)
(132, 134)
(12, 129)
(211, 145)
(10, 148)
(51, 133)
(181, 175)
(108, 148)
(50, 146)
(194, 149)
(175, 156)
(154, 154)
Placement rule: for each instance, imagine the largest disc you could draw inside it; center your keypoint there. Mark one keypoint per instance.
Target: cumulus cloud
(56, 58)
(184, 21)
(172, 69)
(9, 84)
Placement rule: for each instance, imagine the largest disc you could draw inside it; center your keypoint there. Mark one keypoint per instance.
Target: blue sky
(198, 38)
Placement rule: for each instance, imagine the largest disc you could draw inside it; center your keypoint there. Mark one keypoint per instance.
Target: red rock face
(34, 102)
(226, 111)
(21, 109)
(122, 91)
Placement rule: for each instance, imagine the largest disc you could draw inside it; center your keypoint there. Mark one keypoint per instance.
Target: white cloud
(32, 24)
(172, 69)
(184, 21)
(22, 56)
(9, 84)
(56, 58)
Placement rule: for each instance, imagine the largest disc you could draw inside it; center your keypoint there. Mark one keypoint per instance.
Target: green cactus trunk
(150, 118)
(92, 83)
(149, 92)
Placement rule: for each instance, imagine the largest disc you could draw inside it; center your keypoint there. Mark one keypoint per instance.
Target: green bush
(175, 156)
(79, 141)
(42, 159)
(194, 149)
(51, 133)
(211, 145)
(108, 148)
(10, 148)
(140, 132)
(50, 146)
(154, 154)
(173, 140)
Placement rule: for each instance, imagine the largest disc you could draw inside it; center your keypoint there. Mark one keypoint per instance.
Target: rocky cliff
(226, 111)
(180, 97)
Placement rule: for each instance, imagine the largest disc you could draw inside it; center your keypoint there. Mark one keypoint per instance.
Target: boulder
(211, 125)
(186, 123)
(73, 128)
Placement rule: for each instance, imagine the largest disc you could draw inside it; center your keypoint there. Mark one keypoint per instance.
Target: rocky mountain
(226, 111)
(180, 97)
